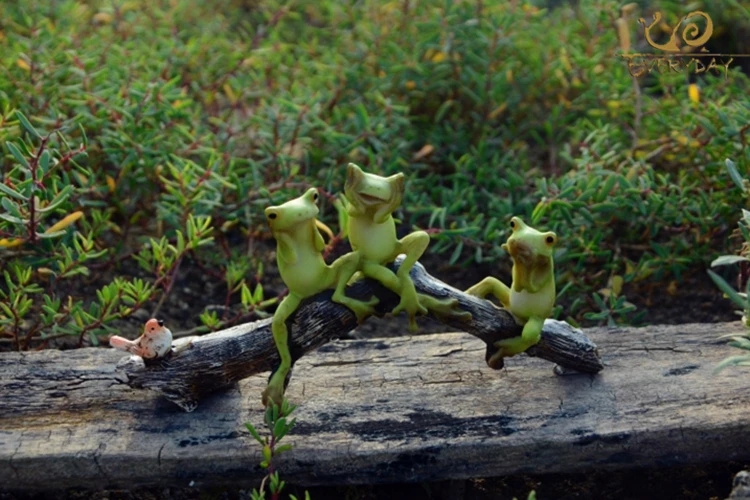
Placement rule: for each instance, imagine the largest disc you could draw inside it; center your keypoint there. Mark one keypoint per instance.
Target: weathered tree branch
(218, 360)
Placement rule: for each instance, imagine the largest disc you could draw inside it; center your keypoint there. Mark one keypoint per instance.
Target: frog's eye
(512, 224)
(550, 239)
(272, 215)
(315, 197)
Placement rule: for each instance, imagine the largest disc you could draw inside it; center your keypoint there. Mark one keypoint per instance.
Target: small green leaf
(27, 125)
(727, 289)
(56, 234)
(14, 220)
(11, 192)
(17, 154)
(456, 253)
(730, 361)
(83, 136)
(254, 433)
(734, 174)
(258, 294)
(443, 110)
(728, 259)
(246, 296)
(44, 161)
(283, 448)
(58, 200)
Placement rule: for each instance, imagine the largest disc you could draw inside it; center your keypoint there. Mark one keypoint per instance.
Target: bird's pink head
(154, 326)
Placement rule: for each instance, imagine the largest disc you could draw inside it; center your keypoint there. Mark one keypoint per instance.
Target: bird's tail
(122, 344)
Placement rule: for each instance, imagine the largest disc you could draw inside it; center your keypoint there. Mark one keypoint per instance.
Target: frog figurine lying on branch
(372, 234)
(299, 245)
(531, 296)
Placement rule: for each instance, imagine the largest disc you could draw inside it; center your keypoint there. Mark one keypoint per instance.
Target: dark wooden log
(218, 360)
(421, 408)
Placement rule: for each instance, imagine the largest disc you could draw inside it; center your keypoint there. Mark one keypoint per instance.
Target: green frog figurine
(299, 245)
(372, 234)
(531, 296)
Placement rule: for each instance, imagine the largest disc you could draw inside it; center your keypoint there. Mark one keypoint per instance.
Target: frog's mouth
(371, 199)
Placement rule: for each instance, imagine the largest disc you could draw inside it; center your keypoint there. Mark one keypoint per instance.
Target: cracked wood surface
(382, 410)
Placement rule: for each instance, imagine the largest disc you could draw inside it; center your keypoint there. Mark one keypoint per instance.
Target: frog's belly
(307, 276)
(525, 304)
(376, 242)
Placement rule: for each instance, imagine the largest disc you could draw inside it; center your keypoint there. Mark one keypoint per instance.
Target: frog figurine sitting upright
(299, 245)
(531, 296)
(372, 199)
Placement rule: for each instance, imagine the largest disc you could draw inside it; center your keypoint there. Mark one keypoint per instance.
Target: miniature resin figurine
(372, 234)
(531, 296)
(155, 342)
(305, 273)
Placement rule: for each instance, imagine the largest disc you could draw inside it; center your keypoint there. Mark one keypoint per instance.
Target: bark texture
(422, 408)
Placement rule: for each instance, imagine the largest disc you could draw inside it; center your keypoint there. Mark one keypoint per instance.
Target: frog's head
(526, 244)
(288, 215)
(370, 192)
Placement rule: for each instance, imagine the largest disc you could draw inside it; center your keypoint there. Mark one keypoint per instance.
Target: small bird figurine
(155, 342)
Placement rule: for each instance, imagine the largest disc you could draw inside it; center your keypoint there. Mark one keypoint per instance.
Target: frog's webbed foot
(345, 270)
(507, 348)
(409, 302)
(532, 332)
(444, 308)
(274, 392)
(363, 309)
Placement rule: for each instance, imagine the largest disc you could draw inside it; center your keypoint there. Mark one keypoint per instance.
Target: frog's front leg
(532, 333)
(343, 269)
(491, 286)
(274, 392)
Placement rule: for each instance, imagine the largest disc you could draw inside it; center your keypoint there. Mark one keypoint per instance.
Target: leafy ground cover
(141, 141)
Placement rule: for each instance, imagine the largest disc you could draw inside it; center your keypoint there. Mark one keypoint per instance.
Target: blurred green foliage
(153, 133)
(740, 298)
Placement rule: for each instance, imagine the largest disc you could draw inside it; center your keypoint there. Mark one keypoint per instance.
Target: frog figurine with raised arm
(531, 296)
(372, 234)
(299, 245)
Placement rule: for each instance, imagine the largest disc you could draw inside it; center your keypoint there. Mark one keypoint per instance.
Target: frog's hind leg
(344, 269)
(532, 333)
(403, 287)
(274, 392)
(443, 308)
(491, 286)
(414, 245)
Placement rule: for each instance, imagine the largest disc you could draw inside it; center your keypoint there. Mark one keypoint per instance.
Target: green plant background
(150, 135)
